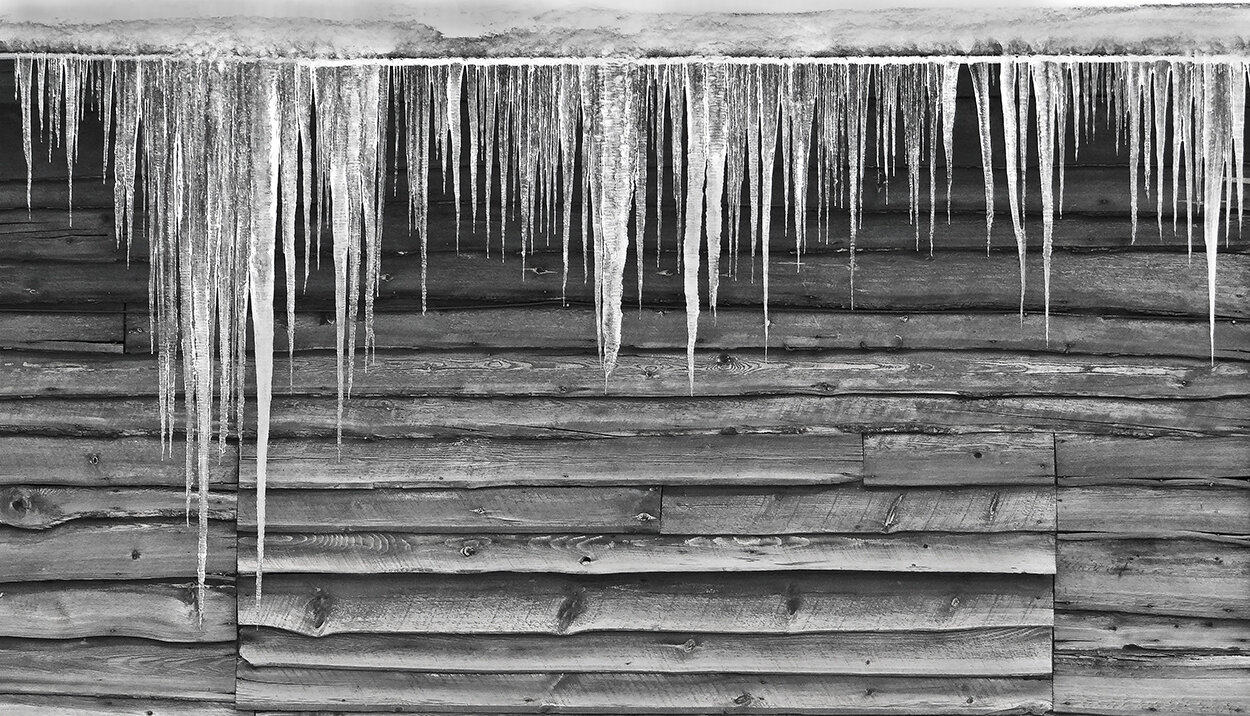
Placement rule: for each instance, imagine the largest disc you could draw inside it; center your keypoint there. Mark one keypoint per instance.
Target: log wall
(917, 507)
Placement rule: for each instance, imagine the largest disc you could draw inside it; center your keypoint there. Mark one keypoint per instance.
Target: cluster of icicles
(229, 151)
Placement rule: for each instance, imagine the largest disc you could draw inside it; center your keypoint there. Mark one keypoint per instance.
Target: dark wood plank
(1130, 684)
(150, 610)
(36, 705)
(635, 693)
(407, 373)
(469, 463)
(1159, 508)
(106, 666)
(503, 509)
(100, 330)
(105, 462)
(774, 603)
(1089, 631)
(45, 235)
(392, 552)
(1183, 577)
(946, 460)
(1107, 456)
(855, 509)
(40, 507)
(113, 550)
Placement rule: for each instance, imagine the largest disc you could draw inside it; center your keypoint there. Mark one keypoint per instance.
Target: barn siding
(919, 507)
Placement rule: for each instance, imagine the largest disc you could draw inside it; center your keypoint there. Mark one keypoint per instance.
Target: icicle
(1012, 141)
(856, 138)
(1043, 89)
(950, 83)
(23, 75)
(696, 173)
(1216, 142)
(769, 95)
(713, 125)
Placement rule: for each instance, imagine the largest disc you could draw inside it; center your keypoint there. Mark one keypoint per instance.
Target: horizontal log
(1090, 631)
(1137, 284)
(503, 509)
(635, 693)
(1021, 651)
(1137, 509)
(950, 460)
(108, 666)
(36, 705)
(508, 417)
(99, 330)
(150, 610)
(1113, 457)
(572, 327)
(474, 373)
(1115, 685)
(469, 463)
(855, 509)
(111, 550)
(1182, 577)
(389, 552)
(47, 235)
(105, 462)
(40, 507)
(787, 603)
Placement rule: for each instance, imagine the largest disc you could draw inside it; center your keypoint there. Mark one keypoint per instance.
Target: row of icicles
(223, 155)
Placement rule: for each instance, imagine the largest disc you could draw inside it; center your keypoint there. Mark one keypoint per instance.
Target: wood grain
(1133, 684)
(774, 603)
(1088, 631)
(105, 462)
(855, 509)
(1147, 509)
(98, 330)
(1110, 457)
(34, 705)
(40, 507)
(473, 463)
(150, 610)
(1021, 651)
(947, 460)
(503, 509)
(391, 552)
(113, 550)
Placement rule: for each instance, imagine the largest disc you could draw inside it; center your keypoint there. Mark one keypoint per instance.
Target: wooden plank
(150, 610)
(40, 507)
(635, 693)
(89, 331)
(1183, 577)
(421, 373)
(1086, 631)
(504, 509)
(773, 603)
(471, 463)
(1132, 283)
(110, 550)
(393, 552)
(105, 462)
(572, 327)
(855, 509)
(1023, 651)
(45, 235)
(511, 417)
(942, 460)
(35, 705)
(1165, 507)
(108, 666)
(1107, 456)
(1131, 684)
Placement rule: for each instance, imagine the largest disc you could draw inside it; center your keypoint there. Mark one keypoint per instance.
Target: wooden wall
(918, 507)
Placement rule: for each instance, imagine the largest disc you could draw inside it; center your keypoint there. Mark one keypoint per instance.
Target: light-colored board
(1133, 283)
(469, 463)
(1087, 631)
(1146, 510)
(1128, 685)
(665, 374)
(40, 507)
(1182, 577)
(34, 705)
(789, 603)
(98, 330)
(390, 552)
(149, 610)
(636, 693)
(106, 462)
(1022, 651)
(508, 417)
(502, 509)
(950, 460)
(572, 327)
(113, 550)
(1111, 456)
(855, 509)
